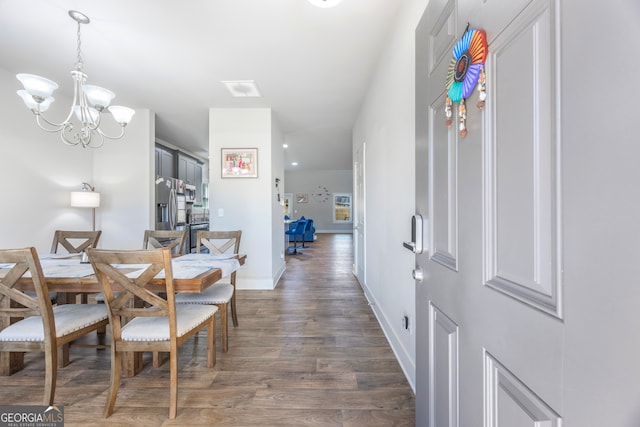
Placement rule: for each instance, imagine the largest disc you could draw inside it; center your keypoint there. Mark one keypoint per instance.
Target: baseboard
(246, 283)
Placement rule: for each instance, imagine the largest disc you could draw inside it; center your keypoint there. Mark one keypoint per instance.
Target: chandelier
(89, 102)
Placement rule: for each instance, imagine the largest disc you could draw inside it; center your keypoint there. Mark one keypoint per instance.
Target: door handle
(415, 245)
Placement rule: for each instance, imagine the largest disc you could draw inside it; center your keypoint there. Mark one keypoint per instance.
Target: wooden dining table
(72, 284)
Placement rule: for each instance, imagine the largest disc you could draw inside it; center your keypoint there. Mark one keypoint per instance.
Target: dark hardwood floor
(310, 352)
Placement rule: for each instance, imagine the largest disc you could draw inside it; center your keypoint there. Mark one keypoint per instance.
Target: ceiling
(312, 65)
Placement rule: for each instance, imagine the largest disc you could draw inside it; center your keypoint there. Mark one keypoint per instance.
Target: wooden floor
(310, 352)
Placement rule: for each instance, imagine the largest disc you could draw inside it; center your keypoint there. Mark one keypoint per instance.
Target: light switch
(220, 211)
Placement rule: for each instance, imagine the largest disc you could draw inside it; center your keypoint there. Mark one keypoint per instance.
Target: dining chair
(41, 327)
(154, 324)
(156, 239)
(74, 242)
(222, 293)
(175, 240)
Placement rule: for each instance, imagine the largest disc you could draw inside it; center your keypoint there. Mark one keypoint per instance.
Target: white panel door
(529, 311)
(489, 310)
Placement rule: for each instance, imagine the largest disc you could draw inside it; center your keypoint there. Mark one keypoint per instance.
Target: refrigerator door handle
(173, 209)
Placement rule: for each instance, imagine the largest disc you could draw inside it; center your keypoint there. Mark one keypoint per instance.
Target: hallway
(309, 352)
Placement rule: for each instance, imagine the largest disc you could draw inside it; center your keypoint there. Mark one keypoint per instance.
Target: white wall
(124, 173)
(277, 223)
(386, 123)
(249, 204)
(321, 211)
(39, 172)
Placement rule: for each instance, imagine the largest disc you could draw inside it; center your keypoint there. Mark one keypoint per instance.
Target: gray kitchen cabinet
(190, 171)
(165, 162)
(187, 169)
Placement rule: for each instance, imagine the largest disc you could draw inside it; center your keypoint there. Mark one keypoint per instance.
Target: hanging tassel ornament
(462, 113)
(447, 111)
(482, 89)
(465, 73)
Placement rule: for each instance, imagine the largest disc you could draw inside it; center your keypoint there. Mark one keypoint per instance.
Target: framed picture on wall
(239, 162)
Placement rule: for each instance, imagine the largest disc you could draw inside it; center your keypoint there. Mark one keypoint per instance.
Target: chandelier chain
(80, 60)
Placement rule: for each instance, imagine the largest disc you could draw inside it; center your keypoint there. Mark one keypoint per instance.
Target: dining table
(65, 273)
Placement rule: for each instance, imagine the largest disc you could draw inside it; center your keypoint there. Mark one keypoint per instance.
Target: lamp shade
(32, 104)
(121, 114)
(85, 199)
(36, 85)
(98, 96)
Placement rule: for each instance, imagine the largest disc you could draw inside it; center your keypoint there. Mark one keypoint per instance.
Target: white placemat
(60, 268)
(181, 271)
(225, 262)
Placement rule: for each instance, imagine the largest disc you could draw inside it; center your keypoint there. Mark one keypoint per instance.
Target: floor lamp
(87, 198)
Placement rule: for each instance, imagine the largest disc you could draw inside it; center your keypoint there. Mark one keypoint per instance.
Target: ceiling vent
(242, 88)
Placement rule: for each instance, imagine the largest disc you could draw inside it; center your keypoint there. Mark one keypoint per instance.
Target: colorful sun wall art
(466, 70)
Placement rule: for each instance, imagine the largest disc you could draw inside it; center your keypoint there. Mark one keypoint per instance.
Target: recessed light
(242, 88)
(324, 3)
(285, 145)
(294, 163)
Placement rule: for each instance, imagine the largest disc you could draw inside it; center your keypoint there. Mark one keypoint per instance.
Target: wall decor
(302, 197)
(465, 70)
(321, 194)
(239, 162)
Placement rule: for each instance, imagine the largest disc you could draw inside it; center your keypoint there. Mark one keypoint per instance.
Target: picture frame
(239, 162)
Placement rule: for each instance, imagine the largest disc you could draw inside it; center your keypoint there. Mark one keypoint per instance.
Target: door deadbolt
(418, 274)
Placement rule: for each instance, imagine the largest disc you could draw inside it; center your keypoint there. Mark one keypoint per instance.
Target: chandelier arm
(104, 135)
(67, 121)
(65, 139)
(93, 142)
(57, 127)
(100, 141)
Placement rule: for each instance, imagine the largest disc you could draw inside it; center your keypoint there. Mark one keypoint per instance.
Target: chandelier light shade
(82, 124)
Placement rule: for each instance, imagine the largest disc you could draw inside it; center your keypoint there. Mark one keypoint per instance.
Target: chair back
(15, 304)
(123, 286)
(219, 242)
(75, 241)
(301, 226)
(173, 239)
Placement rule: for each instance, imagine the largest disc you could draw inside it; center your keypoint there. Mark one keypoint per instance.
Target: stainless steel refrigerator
(171, 204)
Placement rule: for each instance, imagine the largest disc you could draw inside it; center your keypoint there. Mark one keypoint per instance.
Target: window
(342, 207)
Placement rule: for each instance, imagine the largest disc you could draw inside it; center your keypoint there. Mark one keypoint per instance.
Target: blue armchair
(309, 232)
